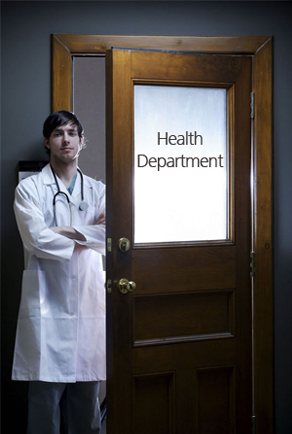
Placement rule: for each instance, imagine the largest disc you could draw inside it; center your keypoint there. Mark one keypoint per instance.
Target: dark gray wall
(26, 90)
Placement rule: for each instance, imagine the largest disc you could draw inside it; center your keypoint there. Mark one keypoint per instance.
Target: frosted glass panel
(181, 164)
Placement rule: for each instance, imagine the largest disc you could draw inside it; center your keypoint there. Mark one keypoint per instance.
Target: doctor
(60, 340)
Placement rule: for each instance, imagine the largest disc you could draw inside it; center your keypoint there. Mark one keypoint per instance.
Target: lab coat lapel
(49, 179)
(75, 197)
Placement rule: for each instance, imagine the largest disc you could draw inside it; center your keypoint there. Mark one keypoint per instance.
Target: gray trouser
(80, 410)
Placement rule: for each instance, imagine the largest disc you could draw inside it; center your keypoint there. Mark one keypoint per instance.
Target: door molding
(64, 47)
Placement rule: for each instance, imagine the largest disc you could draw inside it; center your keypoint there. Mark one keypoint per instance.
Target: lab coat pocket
(33, 285)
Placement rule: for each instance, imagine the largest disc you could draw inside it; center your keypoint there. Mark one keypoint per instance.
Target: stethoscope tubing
(83, 206)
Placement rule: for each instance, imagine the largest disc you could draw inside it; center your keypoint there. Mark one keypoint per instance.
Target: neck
(65, 172)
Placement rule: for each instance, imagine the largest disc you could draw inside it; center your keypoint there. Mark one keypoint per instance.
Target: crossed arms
(72, 233)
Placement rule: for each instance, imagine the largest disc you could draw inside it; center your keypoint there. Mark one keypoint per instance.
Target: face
(64, 144)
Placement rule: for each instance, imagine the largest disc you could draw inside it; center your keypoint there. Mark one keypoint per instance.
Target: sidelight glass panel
(181, 164)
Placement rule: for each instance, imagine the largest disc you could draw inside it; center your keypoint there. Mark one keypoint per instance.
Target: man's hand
(101, 220)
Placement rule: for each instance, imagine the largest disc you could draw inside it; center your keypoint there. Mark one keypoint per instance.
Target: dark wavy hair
(59, 118)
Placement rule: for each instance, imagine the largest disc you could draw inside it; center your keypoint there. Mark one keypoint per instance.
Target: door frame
(64, 47)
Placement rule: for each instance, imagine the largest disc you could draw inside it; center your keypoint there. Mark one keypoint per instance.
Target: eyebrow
(70, 129)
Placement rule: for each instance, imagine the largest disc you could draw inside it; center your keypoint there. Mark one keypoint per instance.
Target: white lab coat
(61, 324)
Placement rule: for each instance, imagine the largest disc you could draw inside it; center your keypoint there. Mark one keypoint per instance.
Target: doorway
(260, 50)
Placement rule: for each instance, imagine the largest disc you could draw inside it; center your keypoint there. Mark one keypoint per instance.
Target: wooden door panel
(186, 404)
(216, 400)
(181, 317)
(216, 265)
(183, 356)
(154, 403)
(190, 316)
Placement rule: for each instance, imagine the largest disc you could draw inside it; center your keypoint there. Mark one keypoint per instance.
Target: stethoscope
(83, 204)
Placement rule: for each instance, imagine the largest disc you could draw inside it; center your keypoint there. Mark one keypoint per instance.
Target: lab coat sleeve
(37, 237)
(95, 237)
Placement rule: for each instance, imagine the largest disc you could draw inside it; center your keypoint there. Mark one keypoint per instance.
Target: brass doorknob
(125, 286)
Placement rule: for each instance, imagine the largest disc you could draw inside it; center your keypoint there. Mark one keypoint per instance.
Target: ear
(47, 143)
(81, 142)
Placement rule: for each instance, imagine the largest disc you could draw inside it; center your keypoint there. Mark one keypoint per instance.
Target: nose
(66, 137)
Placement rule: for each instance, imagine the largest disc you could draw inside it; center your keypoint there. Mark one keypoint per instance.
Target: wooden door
(178, 346)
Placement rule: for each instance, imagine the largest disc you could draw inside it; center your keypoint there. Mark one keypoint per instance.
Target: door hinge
(252, 105)
(253, 425)
(252, 264)
(109, 244)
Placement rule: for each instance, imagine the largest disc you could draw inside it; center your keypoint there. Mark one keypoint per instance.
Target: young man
(60, 341)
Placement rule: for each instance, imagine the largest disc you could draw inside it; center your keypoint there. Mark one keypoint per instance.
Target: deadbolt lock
(125, 286)
(124, 244)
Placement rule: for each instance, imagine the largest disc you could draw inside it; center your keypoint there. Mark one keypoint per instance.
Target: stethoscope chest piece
(83, 206)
